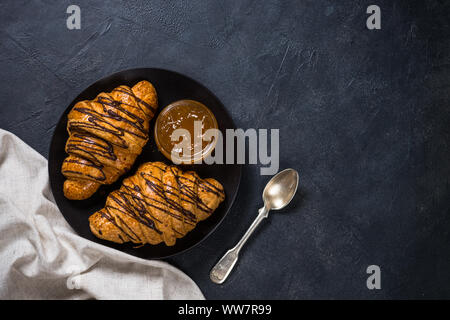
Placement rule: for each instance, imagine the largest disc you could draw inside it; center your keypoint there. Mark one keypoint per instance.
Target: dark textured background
(363, 115)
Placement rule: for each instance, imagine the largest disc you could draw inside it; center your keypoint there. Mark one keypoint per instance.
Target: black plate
(170, 86)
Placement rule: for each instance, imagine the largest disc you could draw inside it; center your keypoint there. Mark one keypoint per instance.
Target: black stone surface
(363, 116)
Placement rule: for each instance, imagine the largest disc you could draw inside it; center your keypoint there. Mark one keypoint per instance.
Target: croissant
(159, 203)
(105, 137)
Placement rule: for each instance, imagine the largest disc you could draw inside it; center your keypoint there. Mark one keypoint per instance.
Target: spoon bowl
(280, 190)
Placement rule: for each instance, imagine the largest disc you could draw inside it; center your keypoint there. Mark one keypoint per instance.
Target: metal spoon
(277, 194)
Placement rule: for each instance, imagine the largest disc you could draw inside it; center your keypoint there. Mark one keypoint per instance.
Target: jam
(189, 145)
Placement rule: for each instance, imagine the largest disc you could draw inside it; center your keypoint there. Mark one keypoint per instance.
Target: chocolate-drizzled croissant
(159, 203)
(105, 137)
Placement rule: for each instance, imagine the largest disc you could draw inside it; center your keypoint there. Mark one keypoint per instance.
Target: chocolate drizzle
(95, 135)
(130, 93)
(158, 197)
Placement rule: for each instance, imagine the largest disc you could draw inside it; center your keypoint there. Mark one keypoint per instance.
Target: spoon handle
(220, 272)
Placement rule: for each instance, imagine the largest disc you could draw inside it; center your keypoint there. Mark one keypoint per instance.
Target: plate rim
(73, 101)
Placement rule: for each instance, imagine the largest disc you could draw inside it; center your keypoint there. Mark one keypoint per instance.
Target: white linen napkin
(41, 257)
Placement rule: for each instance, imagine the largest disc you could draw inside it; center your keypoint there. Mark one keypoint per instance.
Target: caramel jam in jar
(196, 119)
